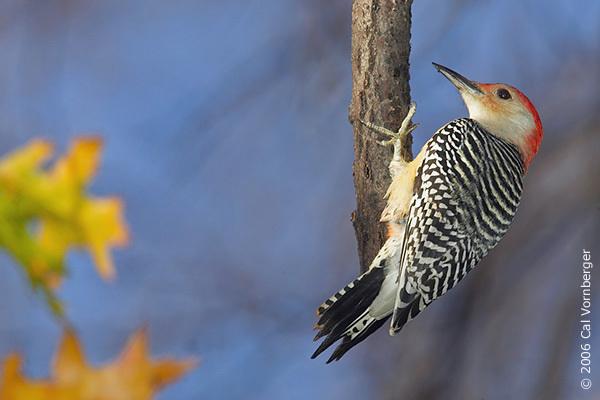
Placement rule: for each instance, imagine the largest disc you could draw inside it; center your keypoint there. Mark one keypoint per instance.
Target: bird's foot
(397, 139)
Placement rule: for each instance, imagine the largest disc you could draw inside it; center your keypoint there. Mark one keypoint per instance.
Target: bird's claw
(390, 142)
(398, 138)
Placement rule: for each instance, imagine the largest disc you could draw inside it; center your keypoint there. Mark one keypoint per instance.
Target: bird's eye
(504, 94)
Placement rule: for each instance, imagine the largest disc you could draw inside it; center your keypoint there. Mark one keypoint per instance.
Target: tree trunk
(380, 94)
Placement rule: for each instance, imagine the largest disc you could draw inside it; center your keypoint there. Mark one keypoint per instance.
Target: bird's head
(502, 110)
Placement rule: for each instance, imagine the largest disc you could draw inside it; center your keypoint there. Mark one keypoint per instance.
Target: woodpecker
(445, 210)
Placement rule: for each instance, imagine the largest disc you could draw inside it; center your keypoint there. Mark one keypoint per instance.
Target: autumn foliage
(132, 376)
(45, 211)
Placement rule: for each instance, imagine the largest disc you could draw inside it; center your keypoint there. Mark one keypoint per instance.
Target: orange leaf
(133, 376)
(69, 363)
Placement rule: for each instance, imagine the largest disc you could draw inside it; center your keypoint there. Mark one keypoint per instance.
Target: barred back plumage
(467, 191)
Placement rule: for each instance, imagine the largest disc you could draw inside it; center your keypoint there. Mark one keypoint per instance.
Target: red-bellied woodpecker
(445, 211)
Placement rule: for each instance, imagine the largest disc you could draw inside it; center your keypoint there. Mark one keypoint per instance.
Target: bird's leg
(397, 139)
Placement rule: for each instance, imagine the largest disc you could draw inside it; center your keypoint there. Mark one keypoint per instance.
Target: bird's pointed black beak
(462, 83)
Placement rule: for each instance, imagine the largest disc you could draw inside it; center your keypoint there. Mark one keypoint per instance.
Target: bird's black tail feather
(345, 315)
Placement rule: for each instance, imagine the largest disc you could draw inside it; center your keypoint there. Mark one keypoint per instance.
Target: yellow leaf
(104, 228)
(80, 163)
(23, 162)
(133, 376)
(47, 211)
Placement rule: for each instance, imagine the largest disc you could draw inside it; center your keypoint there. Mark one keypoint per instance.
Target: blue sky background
(226, 132)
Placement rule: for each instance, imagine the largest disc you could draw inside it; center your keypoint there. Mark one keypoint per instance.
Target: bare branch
(380, 94)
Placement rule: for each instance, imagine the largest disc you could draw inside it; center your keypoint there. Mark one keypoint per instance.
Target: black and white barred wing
(465, 169)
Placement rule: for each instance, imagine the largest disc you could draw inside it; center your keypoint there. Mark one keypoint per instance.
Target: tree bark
(380, 94)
